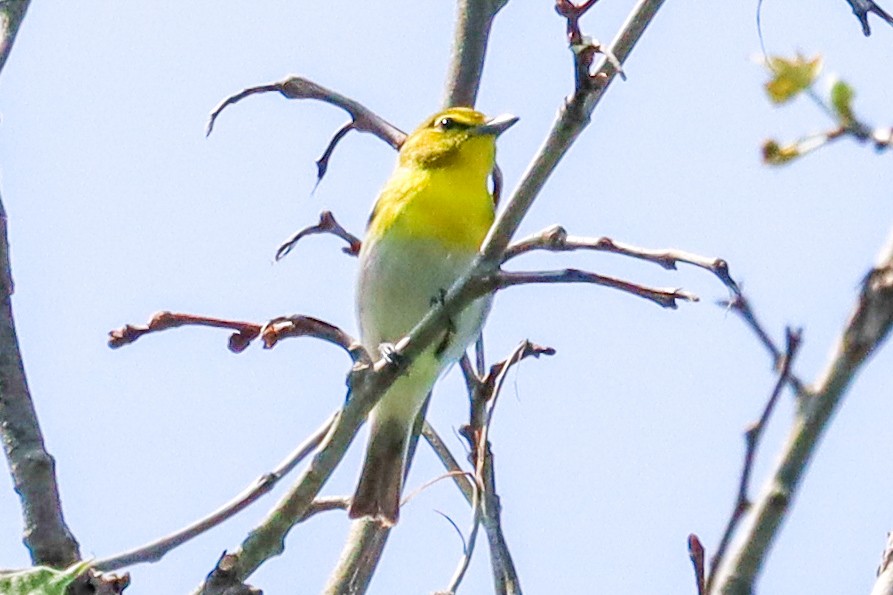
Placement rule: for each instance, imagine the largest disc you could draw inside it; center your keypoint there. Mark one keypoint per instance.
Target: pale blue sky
(608, 454)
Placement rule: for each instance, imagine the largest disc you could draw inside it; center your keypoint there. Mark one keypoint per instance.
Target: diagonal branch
(156, 550)
(12, 13)
(861, 8)
(752, 439)
(865, 331)
(33, 469)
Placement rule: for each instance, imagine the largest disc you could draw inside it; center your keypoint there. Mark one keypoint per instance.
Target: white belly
(400, 280)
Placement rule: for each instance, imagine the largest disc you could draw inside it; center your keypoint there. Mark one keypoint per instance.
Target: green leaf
(41, 580)
(791, 77)
(842, 101)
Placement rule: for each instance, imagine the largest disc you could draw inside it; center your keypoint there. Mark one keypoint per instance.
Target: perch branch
(369, 383)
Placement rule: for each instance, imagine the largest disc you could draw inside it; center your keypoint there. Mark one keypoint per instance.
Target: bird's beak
(497, 125)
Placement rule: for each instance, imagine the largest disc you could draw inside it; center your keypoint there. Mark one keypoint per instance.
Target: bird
(425, 230)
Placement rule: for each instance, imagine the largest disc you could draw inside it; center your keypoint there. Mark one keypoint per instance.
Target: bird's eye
(446, 123)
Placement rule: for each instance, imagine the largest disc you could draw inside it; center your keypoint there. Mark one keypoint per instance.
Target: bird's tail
(381, 481)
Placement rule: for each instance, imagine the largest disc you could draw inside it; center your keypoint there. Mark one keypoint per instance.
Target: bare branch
(296, 87)
(224, 580)
(368, 384)
(245, 332)
(326, 225)
(460, 477)
(362, 119)
(861, 8)
(752, 439)
(556, 239)
(475, 17)
(487, 505)
(741, 306)
(666, 298)
(12, 13)
(884, 583)
(867, 328)
(271, 333)
(696, 555)
(33, 469)
(155, 550)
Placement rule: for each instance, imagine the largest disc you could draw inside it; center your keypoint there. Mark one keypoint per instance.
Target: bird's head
(457, 137)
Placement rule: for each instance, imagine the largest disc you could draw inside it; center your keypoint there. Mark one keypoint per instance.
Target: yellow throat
(439, 189)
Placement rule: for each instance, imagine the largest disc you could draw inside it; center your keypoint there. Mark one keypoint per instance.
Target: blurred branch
(861, 8)
(33, 469)
(154, 551)
(752, 439)
(740, 305)
(474, 19)
(12, 13)
(884, 583)
(865, 331)
(460, 477)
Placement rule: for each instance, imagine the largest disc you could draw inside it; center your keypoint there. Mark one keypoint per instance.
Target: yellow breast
(449, 205)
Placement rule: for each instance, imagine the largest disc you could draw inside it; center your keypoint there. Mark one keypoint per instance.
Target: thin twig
(556, 239)
(296, 87)
(696, 555)
(752, 440)
(271, 333)
(460, 477)
(740, 305)
(245, 332)
(326, 225)
(154, 551)
(488, 508)
(666, 298)
(362, 119)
